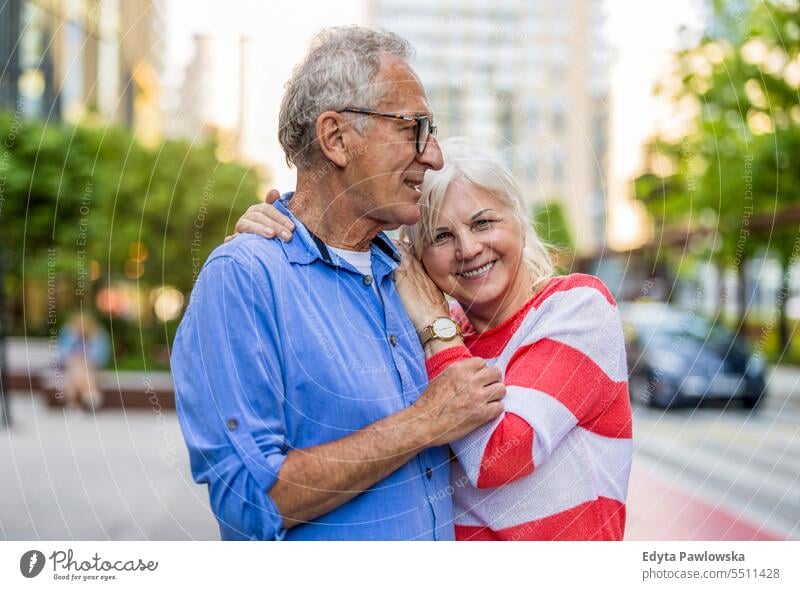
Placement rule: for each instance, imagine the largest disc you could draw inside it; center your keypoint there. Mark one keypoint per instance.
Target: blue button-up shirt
(286, 346)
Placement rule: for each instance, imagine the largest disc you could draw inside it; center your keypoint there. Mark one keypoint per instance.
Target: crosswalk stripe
(774, 461)
(748, 463)
(735, 477)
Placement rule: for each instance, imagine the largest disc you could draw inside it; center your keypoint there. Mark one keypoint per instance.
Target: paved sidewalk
(124, 475)
(661, 509)
(117, 475)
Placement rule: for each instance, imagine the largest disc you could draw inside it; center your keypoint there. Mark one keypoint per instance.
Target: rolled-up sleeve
(229, 390)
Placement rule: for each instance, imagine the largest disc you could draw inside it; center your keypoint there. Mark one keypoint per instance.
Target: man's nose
(431, 156)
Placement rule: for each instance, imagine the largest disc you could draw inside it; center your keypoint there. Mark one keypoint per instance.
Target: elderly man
(300, 382)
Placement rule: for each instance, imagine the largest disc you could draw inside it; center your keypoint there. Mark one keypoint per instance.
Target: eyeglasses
(425, 126)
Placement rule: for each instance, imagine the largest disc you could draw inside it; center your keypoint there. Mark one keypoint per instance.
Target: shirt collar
(309, 247)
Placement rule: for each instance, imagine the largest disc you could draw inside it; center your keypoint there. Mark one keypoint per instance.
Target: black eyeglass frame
(418, 119)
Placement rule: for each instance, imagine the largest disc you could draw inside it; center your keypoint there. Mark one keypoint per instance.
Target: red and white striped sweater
(556, 464)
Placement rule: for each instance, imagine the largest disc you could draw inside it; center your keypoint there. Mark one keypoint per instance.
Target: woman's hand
(265, 220)
(423, 300)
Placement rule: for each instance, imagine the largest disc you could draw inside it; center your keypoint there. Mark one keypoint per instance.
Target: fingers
(474, 363)
(269, 212)
(493, 410)
(272, 196)
(483, 373)
(258, 220)
(230, 237)
(495, 392)
(488, 375)
(276, 216)
(245, 226)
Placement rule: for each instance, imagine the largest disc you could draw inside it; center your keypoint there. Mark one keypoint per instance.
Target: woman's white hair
(339, 71)
(474, 165)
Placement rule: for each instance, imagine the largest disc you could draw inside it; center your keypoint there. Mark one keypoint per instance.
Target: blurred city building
(195, 115)
(530, 78)
(194, 112)
(84, 60)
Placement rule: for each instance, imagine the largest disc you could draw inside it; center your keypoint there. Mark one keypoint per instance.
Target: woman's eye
(483, 223)
(441, 237)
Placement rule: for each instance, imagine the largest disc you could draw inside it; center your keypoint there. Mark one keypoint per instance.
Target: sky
(642, 36)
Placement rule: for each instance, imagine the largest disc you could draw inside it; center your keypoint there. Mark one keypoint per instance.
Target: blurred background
(656, 142)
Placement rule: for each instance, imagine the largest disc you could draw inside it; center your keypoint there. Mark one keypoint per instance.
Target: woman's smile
(478, 272)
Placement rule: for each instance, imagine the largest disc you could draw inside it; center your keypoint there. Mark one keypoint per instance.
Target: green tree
(76, 199)
(730, 174)
(550, 224)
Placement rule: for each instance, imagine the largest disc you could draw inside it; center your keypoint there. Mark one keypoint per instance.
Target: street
(114, 476)
(708, 473)
(722, 473)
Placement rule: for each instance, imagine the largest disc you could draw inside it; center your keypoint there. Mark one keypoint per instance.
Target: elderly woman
(555, 465)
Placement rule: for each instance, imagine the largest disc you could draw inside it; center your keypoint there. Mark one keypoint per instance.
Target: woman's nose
(468, 246)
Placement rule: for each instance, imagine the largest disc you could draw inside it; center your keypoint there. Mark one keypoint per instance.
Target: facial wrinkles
(469, 243)
(405, 97)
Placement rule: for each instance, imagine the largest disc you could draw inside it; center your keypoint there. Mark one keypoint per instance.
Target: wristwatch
(442, 328)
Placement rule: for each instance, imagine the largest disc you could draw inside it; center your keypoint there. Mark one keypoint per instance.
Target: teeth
(477, 271)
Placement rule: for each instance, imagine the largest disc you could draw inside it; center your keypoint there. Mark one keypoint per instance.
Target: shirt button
(393, 340)
(428, 472)
(232, 424)
(367, 280)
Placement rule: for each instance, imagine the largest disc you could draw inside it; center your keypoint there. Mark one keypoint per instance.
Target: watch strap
(426, 335)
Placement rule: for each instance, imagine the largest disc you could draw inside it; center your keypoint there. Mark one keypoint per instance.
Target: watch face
(444, 328)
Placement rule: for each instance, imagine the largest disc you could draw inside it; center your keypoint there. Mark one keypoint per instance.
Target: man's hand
(315, 480)
(467, 394)
(265, 220)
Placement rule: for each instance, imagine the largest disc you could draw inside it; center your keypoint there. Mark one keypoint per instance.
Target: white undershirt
(362, 261)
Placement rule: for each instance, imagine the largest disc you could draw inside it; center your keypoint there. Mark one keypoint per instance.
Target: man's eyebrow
(419, 113)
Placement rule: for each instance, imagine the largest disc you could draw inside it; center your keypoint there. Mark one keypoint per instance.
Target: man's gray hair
(338, 71)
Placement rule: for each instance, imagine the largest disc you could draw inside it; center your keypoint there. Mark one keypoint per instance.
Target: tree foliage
(734, 165)
(550, 224)
(731, 175)
(78, 199)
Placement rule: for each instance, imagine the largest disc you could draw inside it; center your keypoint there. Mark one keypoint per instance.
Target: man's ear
(335, 136)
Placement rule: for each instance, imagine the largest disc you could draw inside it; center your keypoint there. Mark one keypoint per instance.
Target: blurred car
(678, 358)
